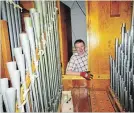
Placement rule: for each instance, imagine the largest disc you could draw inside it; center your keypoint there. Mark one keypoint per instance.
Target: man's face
(80, 48)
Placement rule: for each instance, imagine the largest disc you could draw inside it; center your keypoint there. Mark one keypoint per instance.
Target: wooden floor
(100, 102)
(96, 101)
(89, 99)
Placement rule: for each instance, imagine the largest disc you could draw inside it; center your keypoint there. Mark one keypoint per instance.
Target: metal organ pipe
(13, 25)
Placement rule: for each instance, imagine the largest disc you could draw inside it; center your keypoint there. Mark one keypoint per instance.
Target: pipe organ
(35, 66)
(35, 71)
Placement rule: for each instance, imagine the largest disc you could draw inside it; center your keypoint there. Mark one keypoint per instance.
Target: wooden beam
(95, 84)
(5, 48)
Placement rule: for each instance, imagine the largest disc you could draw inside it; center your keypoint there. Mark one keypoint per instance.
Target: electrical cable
(80, 8)
(72, 4)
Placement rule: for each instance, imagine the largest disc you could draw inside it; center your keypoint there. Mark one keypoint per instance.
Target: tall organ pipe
(4, 15)
(13, 25)
(0, 9)
(19, 18)
(16, 18)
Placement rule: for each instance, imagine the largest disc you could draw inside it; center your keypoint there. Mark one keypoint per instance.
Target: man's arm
(72, 73)
(85, 75)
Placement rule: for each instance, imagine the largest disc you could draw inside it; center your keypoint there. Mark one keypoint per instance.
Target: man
(78, 63)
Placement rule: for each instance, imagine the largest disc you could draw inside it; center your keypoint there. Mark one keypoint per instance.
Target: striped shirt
(78, 63)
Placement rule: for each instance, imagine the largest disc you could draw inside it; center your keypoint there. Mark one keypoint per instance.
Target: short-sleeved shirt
(78, 63)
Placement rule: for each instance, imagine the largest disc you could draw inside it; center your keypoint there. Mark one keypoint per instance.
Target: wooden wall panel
(67, 85)
(5, 48)
(95, 84)
(114, 8)
(102, 31)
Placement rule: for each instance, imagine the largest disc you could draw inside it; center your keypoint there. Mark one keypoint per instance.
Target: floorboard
(80, 99)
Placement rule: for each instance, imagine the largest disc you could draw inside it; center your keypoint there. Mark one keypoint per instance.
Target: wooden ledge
(114, 100)
(77, 77)
(72, 77)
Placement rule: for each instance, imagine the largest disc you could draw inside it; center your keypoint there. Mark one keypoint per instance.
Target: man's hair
(79, 41)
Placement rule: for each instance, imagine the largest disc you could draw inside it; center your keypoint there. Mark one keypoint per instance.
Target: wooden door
(65, 34)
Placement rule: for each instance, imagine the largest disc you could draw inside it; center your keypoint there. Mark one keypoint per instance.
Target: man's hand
(87, 75)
